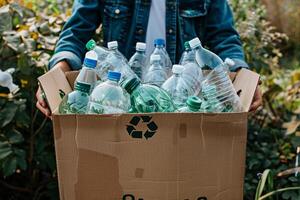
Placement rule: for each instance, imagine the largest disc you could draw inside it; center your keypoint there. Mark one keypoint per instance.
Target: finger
(45, 111)
(256, 104)
(40, 98)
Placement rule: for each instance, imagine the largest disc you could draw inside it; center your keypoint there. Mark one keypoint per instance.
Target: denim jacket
(126, 21)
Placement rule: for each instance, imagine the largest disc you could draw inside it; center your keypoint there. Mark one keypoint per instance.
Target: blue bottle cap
(114, 76)
(90, 63)
(159, 42)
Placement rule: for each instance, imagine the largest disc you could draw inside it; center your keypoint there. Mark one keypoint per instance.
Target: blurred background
(270, 30)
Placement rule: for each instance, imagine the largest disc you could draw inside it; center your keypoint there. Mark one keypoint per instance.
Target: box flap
(71, 77)
(55, 86)
(245, 84)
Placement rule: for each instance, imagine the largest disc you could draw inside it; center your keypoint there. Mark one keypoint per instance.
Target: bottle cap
(194, 102)
(159, 42)
(154, 58)
(114, 76)
(90, 45)
(195, 43)
(130, 85)
(177, 69)
(141, 46)
(187, 45)
(90, 59)
(112, 44)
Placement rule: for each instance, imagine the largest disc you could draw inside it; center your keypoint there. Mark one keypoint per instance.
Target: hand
(257, 100)
(41, 102)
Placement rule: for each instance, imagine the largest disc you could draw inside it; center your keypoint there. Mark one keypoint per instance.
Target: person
(131, 21)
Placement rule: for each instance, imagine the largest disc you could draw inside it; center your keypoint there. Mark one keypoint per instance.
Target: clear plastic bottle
(148, 98)
(219, 92)
(204, 57)
(116, 62)
(160, 49)
(156, 75)
(192, 71)
(102, 52)
(87, 73)
(108, 97)
(193, 104)
(76, 101)
(139, 59)
(177, 87)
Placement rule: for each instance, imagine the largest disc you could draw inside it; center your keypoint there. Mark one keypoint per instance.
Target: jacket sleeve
(77, 31)
(221, 36)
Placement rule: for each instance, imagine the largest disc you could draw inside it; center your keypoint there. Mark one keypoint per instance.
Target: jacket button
(140, 31)
(170, 31)
(117, 11)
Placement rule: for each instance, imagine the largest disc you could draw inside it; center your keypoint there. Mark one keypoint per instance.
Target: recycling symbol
(133, 132)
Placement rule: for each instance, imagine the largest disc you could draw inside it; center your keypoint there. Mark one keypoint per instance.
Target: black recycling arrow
(133, 132)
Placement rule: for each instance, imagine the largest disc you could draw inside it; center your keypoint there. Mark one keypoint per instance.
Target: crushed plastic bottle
(192, 71)
(87, 73)
(116, 62)
(177, 87)
(218, 91)
(108, 97)
(204, 57)
(6, 80)
(139, 59)
(147, 98)
(76, 101)
(156, 75)
(160, 49)
(193, 104)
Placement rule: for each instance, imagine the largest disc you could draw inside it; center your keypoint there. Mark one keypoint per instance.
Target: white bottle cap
(112, 44)
(141, 46)
(195, 43)
(177, 69)
(155, 58)
(91, 55)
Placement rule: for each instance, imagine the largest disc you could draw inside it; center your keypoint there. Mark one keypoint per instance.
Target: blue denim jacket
(126, 21)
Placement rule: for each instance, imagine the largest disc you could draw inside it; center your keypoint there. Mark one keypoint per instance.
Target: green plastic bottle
(193, 104)
(148, 98)
(76, 101)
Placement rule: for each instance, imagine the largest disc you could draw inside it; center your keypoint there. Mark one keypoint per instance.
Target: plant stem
(278, 191)
(12, 187)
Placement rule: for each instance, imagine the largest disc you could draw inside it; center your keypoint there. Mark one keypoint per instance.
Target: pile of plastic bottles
(108, 83)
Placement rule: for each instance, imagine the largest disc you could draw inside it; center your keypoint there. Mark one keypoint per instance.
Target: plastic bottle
(148, 98)
(160, 49)
(156, 75)
(102, 52)
(218, 90)
(204, 57)
(139, 59)
(193, 104)
(108, 97)
(76, 101)
(177, 87)
(192, 71)
(87, 73)
(116, 62)
(6, 80)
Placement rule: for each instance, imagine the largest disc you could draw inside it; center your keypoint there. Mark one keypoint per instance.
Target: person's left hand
(257, 100)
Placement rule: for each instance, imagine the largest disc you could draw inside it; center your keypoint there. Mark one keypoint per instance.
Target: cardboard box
(168, 156)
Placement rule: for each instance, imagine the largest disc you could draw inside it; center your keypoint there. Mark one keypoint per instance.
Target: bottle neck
(192, 108)
(140, 51)
(160, 46)
(113, 81)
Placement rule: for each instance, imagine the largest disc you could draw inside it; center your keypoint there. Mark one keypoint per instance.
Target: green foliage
(28, 34)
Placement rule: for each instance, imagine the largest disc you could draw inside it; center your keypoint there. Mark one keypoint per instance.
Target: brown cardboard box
(179, 156)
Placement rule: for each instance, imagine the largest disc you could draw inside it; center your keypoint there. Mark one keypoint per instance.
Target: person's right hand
(41, 102)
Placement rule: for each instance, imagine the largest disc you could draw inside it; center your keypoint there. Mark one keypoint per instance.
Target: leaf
(15, 137)
(4, 152)
(5, 19)
(9, 166)
(261, 184)
(7, 114)
(21, 162)
(292, 126)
